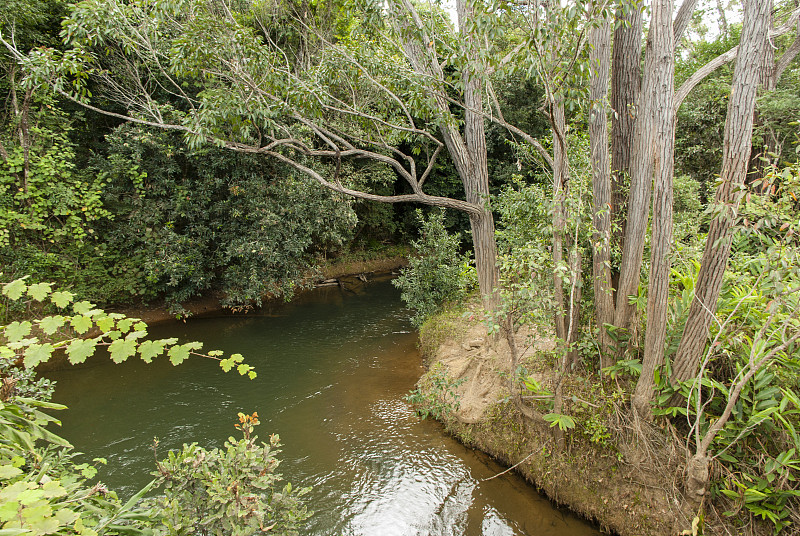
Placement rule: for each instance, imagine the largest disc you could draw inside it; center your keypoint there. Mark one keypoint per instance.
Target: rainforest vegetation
(621, 173)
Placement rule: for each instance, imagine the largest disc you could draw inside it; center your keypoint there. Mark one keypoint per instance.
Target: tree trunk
(599, 62)
(575, 295)
(467, 151)
(642, 156)
(663, 50)
(558, 124)
(736, 151)
(626, 81)
(476, 181)
(722, 20)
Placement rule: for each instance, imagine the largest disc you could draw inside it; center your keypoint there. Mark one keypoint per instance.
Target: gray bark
(736, 151)
(599, 62)
(662, 47)
(558, 125)
(468, 151)
(682, 19)
(626, 81)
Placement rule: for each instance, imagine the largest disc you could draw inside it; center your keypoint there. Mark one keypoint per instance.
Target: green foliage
(564, 422)
(756, 320)
(437, 273)
(33, 343)
(191, 220)
(50, 207)
(525, 261)
(624, 367)
(230, 491)
(435, 396)
(43, 491)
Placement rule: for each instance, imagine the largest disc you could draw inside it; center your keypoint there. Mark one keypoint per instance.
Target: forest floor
(623, 475)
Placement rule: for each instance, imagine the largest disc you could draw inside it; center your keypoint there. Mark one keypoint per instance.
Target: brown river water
(333, 367)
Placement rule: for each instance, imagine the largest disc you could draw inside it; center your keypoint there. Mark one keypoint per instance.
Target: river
(333, 367)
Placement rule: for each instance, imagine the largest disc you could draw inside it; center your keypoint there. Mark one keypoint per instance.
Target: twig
(523, 460)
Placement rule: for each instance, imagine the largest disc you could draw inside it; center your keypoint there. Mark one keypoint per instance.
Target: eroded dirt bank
(626, 476)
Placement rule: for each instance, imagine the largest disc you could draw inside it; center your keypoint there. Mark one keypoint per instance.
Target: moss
(447, 324)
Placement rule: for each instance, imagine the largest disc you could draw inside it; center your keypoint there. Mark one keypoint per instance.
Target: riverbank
(345, 271)
(625, 475)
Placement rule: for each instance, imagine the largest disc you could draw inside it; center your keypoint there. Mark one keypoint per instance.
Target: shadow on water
(333, 368)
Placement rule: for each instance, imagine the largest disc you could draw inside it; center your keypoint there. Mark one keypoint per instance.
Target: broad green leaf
(53, 489)
(179, 353)
(82, 307)
(29, 496)
(18, 437)
(135, 335)
(125, 324)
(44, 525)
(564, 422)
(13, 532)
(15, 289)
(61, 298)
(50, 324)
(105, 324)
(65, 516)
(15, 331)
(114, 334)
(33, 402)
(80, 349)
(81, 324)
(39, 291)
(9, 471)
(36, 354)
(150, 349)
(252, 374)
(121, 350)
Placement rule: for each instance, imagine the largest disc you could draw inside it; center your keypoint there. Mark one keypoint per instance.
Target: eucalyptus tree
(394, 74)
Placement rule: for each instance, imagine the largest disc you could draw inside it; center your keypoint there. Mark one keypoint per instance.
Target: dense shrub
(437, 272)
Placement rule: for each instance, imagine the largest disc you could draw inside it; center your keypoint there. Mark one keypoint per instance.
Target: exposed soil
(625, 476)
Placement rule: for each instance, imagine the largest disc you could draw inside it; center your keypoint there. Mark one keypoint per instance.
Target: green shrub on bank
(437, 272)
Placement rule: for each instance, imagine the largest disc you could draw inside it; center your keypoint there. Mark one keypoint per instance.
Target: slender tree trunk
(599, 61)
(736, 151)
(575, 295)
(467, 150)
(722, 20)
(644, 145)
(476, 182)
(558, 124)
(626, 81)
(663, 50)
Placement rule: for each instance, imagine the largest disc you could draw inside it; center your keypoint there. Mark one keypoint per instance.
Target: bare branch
(721, 60)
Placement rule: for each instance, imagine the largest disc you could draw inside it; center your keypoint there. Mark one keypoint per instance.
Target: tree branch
(730, 55)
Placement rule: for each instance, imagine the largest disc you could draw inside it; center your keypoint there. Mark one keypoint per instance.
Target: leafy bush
(230, 491)
(437, 273)
(435, 396)
(43, 491)
(189, 220)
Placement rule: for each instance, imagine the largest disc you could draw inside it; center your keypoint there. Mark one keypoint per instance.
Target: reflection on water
(332, 371)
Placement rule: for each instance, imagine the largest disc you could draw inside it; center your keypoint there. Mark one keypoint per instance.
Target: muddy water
(332, 371)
